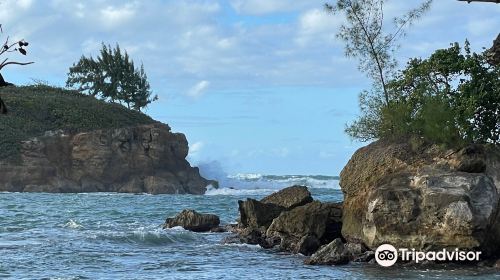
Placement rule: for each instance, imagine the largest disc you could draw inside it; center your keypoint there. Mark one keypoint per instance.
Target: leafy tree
(367, 38)
(112, 76)
(10, 47)
(452, 97)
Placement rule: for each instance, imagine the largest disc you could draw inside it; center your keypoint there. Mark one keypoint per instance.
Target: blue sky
(260, 86)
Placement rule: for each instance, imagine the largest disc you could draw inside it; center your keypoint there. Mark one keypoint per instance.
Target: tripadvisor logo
(387, 255)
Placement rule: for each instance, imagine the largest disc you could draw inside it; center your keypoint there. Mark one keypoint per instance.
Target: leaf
(22, 51)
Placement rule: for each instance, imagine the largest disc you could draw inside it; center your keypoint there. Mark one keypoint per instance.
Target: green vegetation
(39, 108)
(112, 77)
(452, 97)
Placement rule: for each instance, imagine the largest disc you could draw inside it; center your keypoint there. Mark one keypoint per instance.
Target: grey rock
(255, 214)
(319, 220)
(290, 197)
(193, 221)
(335, 253)
(425, 198)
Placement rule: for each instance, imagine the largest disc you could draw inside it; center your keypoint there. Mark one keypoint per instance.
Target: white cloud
(195, 40)
(198, 90)
(25, 4)
(112, 16)
(260, 7)
(317, 26)
(195, 148)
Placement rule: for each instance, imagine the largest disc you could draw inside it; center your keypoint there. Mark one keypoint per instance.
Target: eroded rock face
(422, 197)
(193, 221)
(147, 158)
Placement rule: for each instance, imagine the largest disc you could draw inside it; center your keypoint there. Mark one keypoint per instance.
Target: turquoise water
(119, 236)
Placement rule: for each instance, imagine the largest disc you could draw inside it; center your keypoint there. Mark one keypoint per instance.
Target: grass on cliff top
(39, 108)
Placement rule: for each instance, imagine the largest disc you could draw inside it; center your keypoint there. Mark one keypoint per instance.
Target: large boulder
(422, 196)
(304, 228)
(255, 214)
(193, 221)
(290, 197)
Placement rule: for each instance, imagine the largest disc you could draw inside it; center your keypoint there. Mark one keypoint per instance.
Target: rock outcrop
(333, 253)
(338, 252)
(193, 221)
(422, 197)
(494, 52)
(290, 197)
(140, 159)
(289, 219)
(304, 228)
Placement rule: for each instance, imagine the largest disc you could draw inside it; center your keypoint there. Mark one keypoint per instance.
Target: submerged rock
(140, 159)
(193, 221)
(335, 253)
(422, 197)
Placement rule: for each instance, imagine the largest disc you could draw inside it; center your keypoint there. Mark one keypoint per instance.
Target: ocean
(119, 236)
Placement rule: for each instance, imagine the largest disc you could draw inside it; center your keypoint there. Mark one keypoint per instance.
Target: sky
(257, 86)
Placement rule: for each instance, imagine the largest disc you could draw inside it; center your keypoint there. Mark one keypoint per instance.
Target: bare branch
(14, 62)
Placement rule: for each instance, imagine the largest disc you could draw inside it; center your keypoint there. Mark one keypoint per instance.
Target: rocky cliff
(423, 197)
(144, 158)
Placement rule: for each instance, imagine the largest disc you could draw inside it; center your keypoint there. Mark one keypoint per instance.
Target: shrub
(452, 97)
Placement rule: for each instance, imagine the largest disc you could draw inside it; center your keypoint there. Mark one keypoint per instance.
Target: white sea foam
(246, 176)
(73, 224)
(258, 184)
(244, 245)
(176, 228)
(234, 191)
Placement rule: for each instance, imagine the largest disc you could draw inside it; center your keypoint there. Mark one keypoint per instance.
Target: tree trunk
(3, 83)
(3, 109)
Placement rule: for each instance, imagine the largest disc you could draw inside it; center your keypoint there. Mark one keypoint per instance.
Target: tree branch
(14, 62)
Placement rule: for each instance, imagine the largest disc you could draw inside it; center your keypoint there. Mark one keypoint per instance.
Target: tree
(112, 76)
(10, 47)
(367, 39)
(452, 97)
